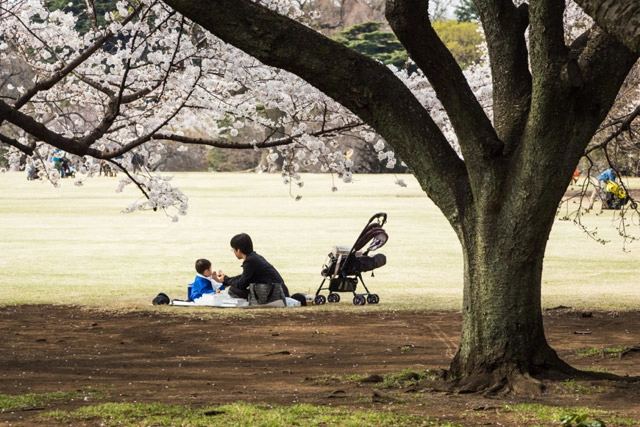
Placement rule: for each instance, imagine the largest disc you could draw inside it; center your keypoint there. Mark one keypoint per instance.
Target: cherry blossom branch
(249, 146)
(27, 149)
(69, 67)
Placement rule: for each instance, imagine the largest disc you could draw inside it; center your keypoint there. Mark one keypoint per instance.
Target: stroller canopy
(373, 233)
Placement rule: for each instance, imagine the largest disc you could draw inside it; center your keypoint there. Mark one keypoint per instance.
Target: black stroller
(345, 264)
(616, 197)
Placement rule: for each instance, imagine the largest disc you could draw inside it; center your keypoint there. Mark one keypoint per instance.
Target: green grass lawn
(72, 245)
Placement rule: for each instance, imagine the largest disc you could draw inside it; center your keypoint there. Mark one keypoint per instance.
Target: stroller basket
(345, 264)
(343, 284)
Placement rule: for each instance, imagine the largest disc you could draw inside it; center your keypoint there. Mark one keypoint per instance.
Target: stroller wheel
(333, 298)
(320, 300)
(359, 300)
(373, 299)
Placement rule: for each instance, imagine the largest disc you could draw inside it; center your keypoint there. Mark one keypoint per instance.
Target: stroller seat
(345, 264)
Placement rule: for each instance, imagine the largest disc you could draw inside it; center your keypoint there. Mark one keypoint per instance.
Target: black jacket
(255, 269)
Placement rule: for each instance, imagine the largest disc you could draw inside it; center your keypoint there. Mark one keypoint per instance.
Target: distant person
(576, 176)
(136, 162)
(255, 269)
(600, 189)
(204, 283)
(32, 171)
(57, 158)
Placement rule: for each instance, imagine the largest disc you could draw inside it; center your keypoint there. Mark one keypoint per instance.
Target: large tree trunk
(503, 341)
(502, 198)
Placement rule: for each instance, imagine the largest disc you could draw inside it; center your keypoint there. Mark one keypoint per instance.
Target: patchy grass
(238, 414)
(606, 351)
(406, 378)
(31, 401)
(575, 388)
(250, 415)
(552, 415)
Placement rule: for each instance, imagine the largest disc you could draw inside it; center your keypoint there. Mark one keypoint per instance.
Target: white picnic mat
(224, 300)
(212, 300)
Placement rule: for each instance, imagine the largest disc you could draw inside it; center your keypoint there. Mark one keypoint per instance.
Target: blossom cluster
(160, 194)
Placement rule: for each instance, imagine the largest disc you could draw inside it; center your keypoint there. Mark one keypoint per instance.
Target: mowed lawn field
(72, 245)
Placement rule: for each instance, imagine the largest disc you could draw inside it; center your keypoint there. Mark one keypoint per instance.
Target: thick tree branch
(582, 97)
(504, 28)
(604, 63)
(268, 143)
(620, 18)
(40, 131)
(580, 82)
(409, 20)
(27, 149)
(548, 50)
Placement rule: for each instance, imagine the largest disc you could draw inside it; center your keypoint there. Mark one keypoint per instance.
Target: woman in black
(255, 269)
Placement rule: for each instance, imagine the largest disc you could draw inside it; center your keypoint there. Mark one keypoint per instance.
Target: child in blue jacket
(203, 283)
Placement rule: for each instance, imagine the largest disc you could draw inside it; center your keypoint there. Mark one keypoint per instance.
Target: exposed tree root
(628, 350)
(591, 375)
(498, 384)
(503, 382)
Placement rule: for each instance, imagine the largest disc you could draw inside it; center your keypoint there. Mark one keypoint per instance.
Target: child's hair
(243, 242)
(202, 265)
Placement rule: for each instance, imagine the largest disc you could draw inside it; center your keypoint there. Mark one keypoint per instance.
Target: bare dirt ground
(287, 356)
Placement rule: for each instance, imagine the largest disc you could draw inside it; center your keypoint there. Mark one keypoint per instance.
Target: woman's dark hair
(243, 242)
(202, 264)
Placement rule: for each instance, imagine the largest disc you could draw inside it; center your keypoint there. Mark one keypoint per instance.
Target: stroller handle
(377, 217)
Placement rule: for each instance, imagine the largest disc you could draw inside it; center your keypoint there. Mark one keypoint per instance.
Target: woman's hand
(219, 276)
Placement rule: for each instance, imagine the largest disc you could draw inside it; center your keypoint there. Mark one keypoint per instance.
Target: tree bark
(620, 18)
